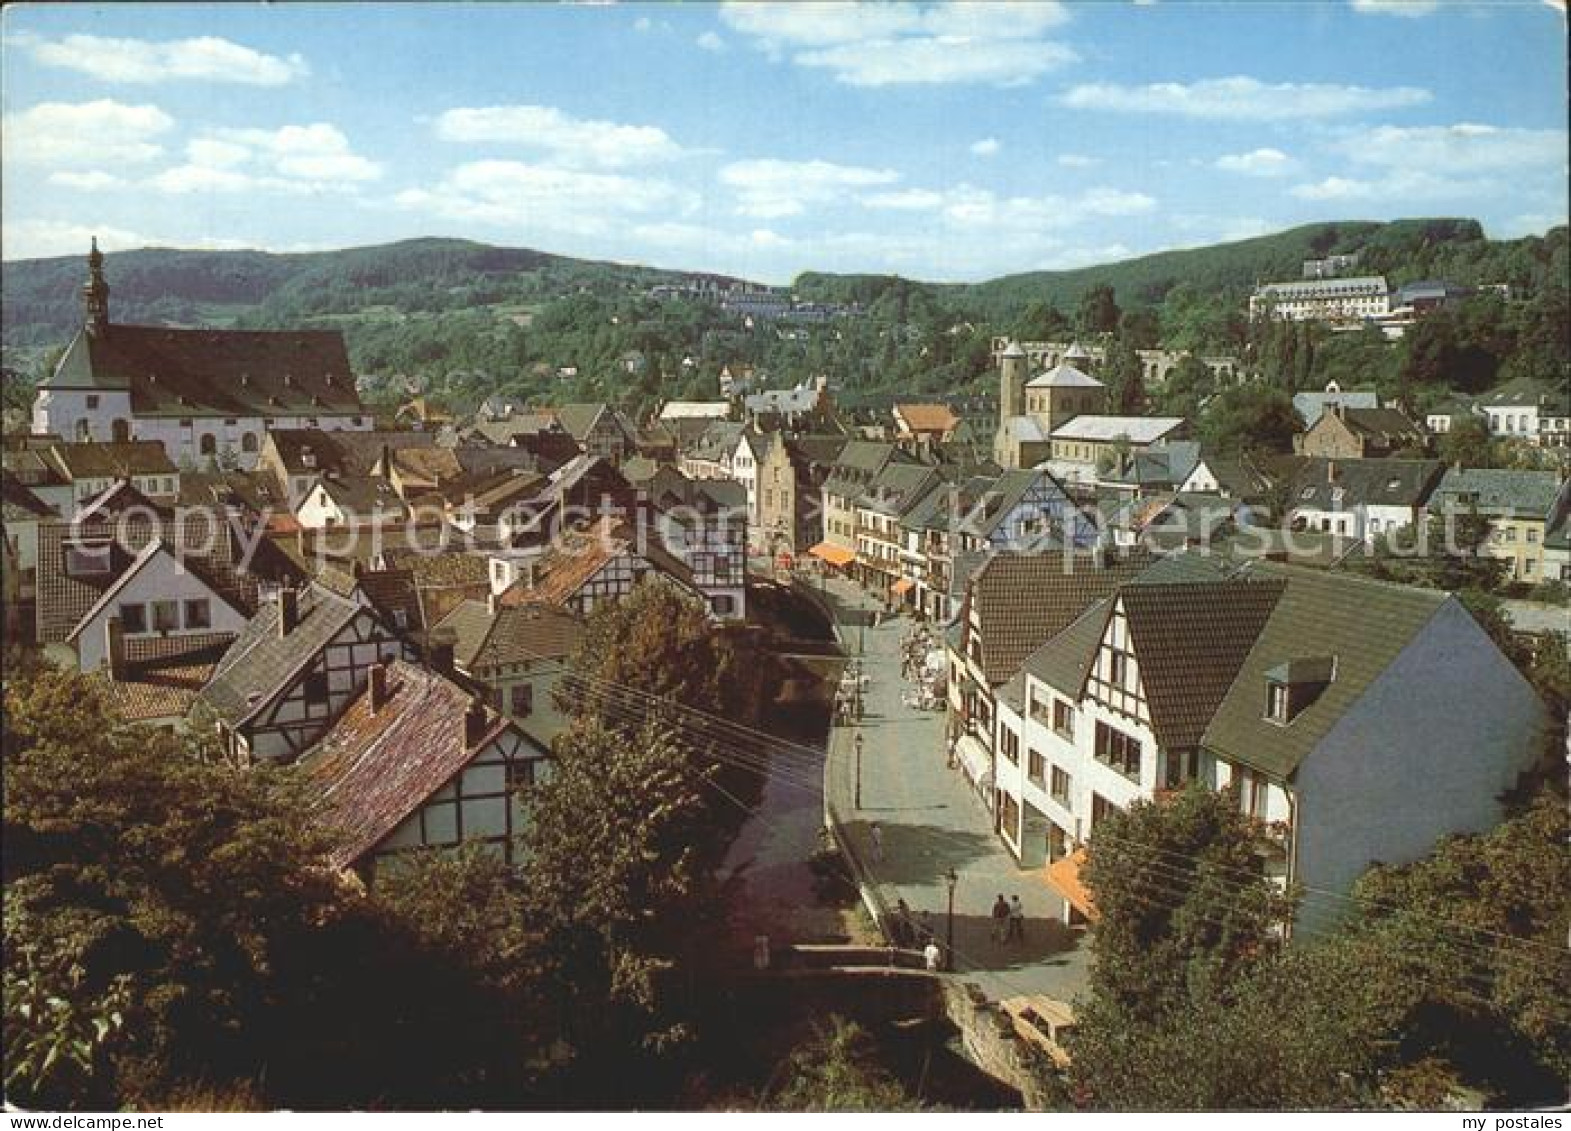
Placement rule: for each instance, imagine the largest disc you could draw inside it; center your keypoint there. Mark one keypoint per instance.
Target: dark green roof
(1361, 623)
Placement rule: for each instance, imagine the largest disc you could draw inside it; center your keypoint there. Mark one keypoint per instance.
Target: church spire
(95, 292)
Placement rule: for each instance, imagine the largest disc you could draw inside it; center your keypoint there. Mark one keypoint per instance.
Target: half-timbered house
(416, 762)
(292, 671)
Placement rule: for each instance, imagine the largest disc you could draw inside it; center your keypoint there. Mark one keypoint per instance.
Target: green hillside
(459, 319)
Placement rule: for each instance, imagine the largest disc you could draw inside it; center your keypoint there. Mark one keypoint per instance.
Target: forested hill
(160, 285)
(460, 320)
(1402, 250)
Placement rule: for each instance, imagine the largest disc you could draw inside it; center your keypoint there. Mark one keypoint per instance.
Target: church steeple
(95, 292)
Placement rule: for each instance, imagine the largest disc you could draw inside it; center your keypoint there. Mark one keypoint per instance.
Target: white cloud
(147, 61)
(314, 158)
(642, 23)
(1265, 162)
(1463, 148)
(37, 239)
(317, 152)
(568, 141)
(974, 209)
(84, 133)
(95, 180)
(987, 147)
(1241, 98)
(876, 45)
(545, 198)
(1402, 184)
(1077, 161)
(769, 189)
(709, 41)
(1408, 8)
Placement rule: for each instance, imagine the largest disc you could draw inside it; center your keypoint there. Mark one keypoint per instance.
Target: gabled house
(1522, 508)
(517, 653)
(859, 463)
(1363, 499)
(1360, 433)
(157, 596)
(1322, 699)
(293, 669)
(704, 523)
(1086, 445)
(790, 492)
(1011, 603)
(415, 761)
(341, 502)
(1311, 405)
(924, 423)
(92, 468)
(204, 558)
(585, 568)
(879, 537)
(23, 511)
(599, 430)
(1233, 477)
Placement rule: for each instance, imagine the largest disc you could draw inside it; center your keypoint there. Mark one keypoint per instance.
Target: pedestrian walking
(1017, 919)
(878, 844)
(931, 955)
(1000, 918)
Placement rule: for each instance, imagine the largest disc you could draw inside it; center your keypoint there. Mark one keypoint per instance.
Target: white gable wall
(160, 579)
(1426, 751)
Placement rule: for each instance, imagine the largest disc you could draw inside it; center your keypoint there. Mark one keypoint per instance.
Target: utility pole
(858, 745)
(949, 950)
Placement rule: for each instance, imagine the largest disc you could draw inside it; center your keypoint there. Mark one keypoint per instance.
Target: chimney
(288, 611)
(1331, 471)
(114, 648)
(1340, 409)
(492, 603)
(377, 687)
(476, 723)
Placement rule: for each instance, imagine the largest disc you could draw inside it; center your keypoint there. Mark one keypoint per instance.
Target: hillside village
(1110, 577)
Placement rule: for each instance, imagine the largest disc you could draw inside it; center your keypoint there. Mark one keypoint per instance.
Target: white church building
(208, 396)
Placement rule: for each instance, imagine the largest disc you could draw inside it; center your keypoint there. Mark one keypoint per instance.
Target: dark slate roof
(114, 500)
(362, 496)
(92, 460)
(1362, 623)
(897, 486)
(373, 770)
(1364, 482)
(390, 592)
(1190, 640)
(20, 504)
(1023, 599)
(513, 634)
(1238, 476)
(241, 489)
(261, 663)
(1500, 493)
(1386, 424)
(173, 372)
(343, 452)
(857, 463)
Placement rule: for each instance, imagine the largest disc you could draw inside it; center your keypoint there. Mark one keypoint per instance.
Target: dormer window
(87, 559)
(1295, 686)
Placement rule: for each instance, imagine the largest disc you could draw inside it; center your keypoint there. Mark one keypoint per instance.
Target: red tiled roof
(374, 770)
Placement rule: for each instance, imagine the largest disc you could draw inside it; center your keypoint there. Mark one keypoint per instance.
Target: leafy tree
(1125, 379)
(837, 1070)
(1468, 443)
(1098, 312)
(617, 876)
(1188, 385)
(1252, 417)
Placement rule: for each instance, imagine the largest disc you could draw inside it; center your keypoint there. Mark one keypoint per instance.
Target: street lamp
(949, 950)
(858, 745)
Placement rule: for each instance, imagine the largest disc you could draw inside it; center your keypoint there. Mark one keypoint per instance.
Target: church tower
(1011, 382)
(95, 292)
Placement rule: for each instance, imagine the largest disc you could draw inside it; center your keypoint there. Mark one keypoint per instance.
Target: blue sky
(944, 141)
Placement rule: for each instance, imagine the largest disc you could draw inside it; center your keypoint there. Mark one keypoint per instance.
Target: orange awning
(834, 555)
(1064, 875)
(902, 587)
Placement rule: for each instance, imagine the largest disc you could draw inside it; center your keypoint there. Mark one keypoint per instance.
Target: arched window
(248, 442)
(209, 446)
(121, 430)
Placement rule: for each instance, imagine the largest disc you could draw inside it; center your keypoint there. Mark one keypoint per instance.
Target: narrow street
(931, 821)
